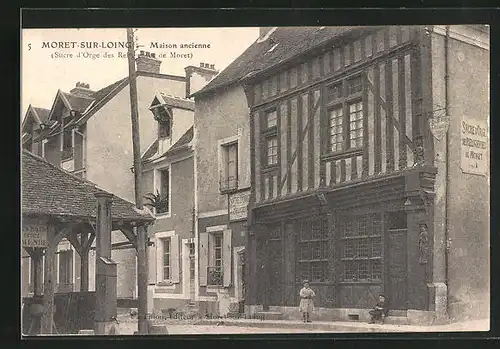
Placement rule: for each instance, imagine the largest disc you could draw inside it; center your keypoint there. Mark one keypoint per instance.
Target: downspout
(447, 165)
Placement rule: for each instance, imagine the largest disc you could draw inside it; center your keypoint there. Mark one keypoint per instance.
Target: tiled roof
(260, 56)
(77, 103)
(49, 190)
(180, 145)
(152, 150)
(42, 113)
(103, 92)
(177, 102)
(182, 142)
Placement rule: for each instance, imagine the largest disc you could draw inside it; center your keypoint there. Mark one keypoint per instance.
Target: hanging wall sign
(34, 235)
(439, 125)
(474, 146)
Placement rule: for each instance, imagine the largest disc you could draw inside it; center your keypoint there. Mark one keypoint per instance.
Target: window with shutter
(203, 259)
(229, 171)
(166, 259)
(215, 268)
(227, 257)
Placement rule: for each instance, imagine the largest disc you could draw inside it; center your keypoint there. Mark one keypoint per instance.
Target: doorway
(397, 255)
(274, 256)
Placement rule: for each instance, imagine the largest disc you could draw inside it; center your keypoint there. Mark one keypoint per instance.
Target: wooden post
(50, 283)
(141, 238)
(38, 272)
(142, 279)
(84, 264)
(106, 302)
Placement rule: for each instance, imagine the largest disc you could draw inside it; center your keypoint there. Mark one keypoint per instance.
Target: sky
(44, 70)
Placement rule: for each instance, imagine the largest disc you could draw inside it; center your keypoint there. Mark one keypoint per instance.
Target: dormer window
(163, 115)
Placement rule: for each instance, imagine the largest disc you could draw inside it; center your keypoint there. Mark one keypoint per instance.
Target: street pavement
(128, 325)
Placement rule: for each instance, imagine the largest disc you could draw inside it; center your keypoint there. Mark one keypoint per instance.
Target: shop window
(361, 240)
(313, 256)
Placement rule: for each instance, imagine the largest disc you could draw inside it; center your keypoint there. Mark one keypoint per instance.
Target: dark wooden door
(275, 275)
(397, 269)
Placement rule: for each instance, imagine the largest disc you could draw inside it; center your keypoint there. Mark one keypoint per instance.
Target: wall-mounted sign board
(34, 235)
(474, 146)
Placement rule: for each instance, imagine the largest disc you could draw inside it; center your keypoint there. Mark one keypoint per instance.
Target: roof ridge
(72, 95)
(176, 97)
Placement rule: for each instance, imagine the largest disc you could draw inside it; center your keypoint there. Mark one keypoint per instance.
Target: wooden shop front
(352, 243)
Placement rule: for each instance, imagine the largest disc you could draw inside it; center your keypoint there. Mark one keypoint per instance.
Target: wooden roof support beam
(130, 235)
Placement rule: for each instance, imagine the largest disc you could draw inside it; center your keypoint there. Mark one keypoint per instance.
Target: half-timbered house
(355, 156)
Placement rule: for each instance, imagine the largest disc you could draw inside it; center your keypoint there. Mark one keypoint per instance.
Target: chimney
(147, 62)
(82, 89)
(198, 77)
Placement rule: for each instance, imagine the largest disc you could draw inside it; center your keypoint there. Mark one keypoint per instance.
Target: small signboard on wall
(238, 203)
(474, 146)
(34, 235)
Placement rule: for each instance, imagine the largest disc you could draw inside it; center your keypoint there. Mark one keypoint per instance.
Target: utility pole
(140, 230)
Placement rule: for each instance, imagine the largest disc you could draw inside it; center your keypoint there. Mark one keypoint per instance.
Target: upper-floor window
(164, 117)
(272, 150)
(160, 200)
(229, 171)
(345, 115)
(271, 119)
(67, 144)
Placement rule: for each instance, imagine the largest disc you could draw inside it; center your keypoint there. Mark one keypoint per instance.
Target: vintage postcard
(255, 180)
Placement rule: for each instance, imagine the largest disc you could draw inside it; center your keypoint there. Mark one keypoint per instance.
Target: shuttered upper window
(229, 171)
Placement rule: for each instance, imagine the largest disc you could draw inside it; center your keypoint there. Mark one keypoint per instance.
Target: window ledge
(214, 288)
(163, 215)
(168, 285)
(342, 155)
(269, 168)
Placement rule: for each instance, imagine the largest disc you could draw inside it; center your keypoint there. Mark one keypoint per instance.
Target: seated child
(379, 311)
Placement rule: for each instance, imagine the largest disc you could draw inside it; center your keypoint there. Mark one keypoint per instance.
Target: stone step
(398, 313)
(396, 320)
(269, 315)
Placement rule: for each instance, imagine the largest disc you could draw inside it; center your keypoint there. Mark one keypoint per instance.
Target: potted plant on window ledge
(158, 201)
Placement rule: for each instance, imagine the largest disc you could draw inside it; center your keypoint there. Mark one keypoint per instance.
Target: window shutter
(233, 163)
(224, 163)
(159, 260)
(226, 255)
(174, 258)
(152, 264)
(203, 249)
